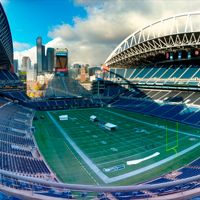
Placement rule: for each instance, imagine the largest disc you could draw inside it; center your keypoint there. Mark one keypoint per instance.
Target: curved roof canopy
(179, 31)
(6, 44)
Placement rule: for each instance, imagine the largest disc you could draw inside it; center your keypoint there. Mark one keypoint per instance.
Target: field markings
(125, 153)
(82, 165)
(150, 124)
(99, 173)
(91, 165)
(129, 156)
(157, 164)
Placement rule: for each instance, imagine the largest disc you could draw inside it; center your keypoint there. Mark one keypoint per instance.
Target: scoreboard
(61, 61)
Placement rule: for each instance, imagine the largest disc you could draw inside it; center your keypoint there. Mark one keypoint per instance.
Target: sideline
(150, 124)
(99, 173)
(91, 165)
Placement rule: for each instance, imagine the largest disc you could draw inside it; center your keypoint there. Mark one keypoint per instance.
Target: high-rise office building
(16, 65)
(44, 62)
(40, 54)
(26, 63)
(50, 59)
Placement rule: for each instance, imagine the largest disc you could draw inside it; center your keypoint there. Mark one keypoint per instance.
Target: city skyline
(89, 29)
(45, 61)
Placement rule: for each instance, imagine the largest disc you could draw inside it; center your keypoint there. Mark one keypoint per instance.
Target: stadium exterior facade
(6, 44)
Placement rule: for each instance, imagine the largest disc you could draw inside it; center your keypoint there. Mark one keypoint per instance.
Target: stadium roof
(177, 32)
(6, 44)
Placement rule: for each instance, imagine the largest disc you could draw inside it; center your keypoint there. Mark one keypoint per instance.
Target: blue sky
(90, 29)
(31, 18)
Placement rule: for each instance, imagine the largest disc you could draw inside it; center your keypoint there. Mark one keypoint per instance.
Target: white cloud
(91, 40)
(4, 2)
(57, 42)
(30, 52)
(20, 46)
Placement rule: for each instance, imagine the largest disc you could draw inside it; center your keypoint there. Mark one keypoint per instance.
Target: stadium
(135, 135)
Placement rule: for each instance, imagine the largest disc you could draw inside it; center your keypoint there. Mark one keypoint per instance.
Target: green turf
(132, 140)
(58, 155)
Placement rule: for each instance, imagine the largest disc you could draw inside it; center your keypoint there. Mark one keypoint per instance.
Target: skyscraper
(50, 59)
(15, 63)
(44, 63)
(26, 63)
(40, 54)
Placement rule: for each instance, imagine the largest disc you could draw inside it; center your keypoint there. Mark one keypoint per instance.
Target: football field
(140, 148)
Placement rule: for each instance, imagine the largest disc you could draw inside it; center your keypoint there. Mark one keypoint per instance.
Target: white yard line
(82, 166)
(99, 173)
(130, 156)
(150, 124)
(144, 169)
(91, 165)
